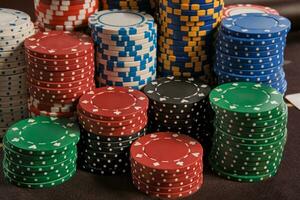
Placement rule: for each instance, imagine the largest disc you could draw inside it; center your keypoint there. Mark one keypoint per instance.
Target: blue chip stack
(126, 47)
(250, 48)
(140, 5)
(187, 32)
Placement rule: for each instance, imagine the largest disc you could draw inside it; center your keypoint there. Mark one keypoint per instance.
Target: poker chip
(161, 173)
(58, 73)
(250, 131)
(143, 5)
(35, 160)
(180, 105)
(16, 26)
(237, 9)
(111, 119)
(187, 30)
(252, 54)
(124, 46)
(64, 15)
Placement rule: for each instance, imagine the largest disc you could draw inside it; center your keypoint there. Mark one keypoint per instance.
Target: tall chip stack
(111, 118)
(66, 15)
(250, 131)
(167, 165)
(140, 5)
(180, 105)
(40, 152)
(15, 27)
(126, 47)
(252, 52)
(187, 30)
(60, 69)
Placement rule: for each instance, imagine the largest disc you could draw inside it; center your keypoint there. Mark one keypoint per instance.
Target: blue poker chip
(248, 48)
(151, 69)
(273, 59)
(125, 43)
(124, 64)
(126, 59)
(125, 48)
(202, 5)
(132, 84)
(127, 53)
(256, 25)
(139, 78)
(250, 41)
(128, 69)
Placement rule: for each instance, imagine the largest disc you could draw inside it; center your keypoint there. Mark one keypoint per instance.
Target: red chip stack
(60, 69)
(66, 15)
(111, 118)
(167, 165)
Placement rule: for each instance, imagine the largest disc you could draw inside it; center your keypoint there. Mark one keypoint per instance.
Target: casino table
(285, 185)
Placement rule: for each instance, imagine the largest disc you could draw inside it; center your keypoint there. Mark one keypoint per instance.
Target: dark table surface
(284, 186)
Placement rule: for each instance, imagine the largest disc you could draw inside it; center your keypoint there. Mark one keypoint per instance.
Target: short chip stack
(237, 9)
(40, 152)
(180, 105)
(126, 47)
(167, 165)
(252, 52)
(187, 30)
(66, 15)
(250, 131)
(15, 26)
(60, 69)
(140, 5)
(111, 118)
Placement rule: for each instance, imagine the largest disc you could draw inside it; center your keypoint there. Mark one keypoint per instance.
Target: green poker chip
(246, 99)
(41, 135)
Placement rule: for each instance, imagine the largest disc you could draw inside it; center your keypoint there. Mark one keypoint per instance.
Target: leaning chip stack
(250, 131)
(60, 69)
(67, 15)
(140, 5)
(180, 105)
(167, 165)
(111, 118)
(187, 30)
(15, 27)
(237, 9)
(126, 47)
(40, 152)
(252, 52)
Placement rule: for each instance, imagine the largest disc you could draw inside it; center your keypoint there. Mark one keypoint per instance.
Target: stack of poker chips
(187, 36)
(140, 5)
(64, 15)
(40, 152)
(111, 118)
(167, 165)
(252, 52)
(60, 69)
(237, 9)
(250, 131)
(180, 105)
(126, 47)
(15, 27)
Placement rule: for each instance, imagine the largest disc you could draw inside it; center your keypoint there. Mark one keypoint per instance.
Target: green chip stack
(40, 152)
(250, 131)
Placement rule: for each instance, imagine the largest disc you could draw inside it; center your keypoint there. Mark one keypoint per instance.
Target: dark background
(284, 186)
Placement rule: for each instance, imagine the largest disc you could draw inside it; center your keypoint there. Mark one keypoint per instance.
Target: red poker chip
(164, 189)
(61, 68)
(63, 23)
(236, 9)
(59, 101)
(51, 107)
(72, 8)
(49, 45)
(58, 62)
(88, 74)
(47, 27)
(38, 112)
(64, 2)
(96, 122)
(110, 131)
(60, 84)
(113, 103)
(59, 74)
(152, 151)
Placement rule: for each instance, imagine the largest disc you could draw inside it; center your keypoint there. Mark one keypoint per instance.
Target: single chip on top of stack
(250, 131)
(67, 15)
(60, 69)
(252, 52)
(15, 26)
(237, 9)
(140, 5)
(111, 118)
(40, 152)
(167, 165)
(180, 105)
(187, 30)
(126, 47)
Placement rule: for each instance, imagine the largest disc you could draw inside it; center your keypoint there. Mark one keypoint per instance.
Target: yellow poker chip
(198, 23)
(183, 59)
(187, 65)
(177, 68)
(183, 48)
(186, 18)
(170, 41)
(184, 38)
(198, 12)
(188, 5)
(189, 54)
(167, 31)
